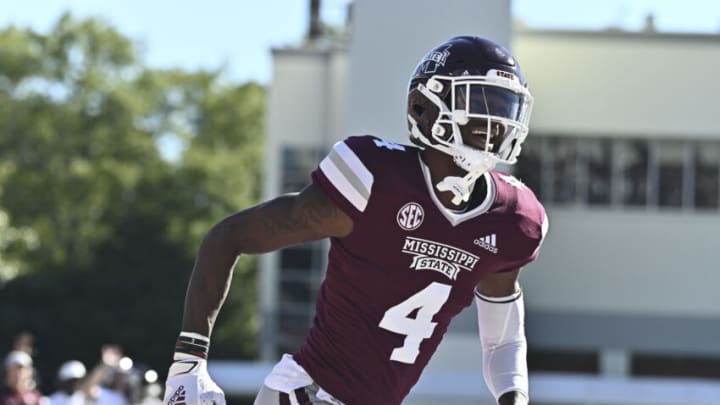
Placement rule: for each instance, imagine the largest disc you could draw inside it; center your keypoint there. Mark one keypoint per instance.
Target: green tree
(105, 224)
(14, 242)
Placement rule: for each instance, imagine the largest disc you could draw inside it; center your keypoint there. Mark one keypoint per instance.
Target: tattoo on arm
(299, 213)
(281, 222)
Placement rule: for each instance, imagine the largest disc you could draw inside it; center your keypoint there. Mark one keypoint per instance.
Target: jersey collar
(455, 218)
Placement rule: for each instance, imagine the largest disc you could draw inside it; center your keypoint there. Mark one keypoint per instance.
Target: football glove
(189, 383)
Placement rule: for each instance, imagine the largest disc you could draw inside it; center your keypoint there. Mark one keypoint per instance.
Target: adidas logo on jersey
(178, 398)
(487, 242)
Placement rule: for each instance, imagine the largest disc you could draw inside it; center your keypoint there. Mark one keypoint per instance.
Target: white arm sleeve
(502, 333)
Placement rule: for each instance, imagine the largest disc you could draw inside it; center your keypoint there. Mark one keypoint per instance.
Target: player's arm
(281, 222)
(286, 220)
(502, 334)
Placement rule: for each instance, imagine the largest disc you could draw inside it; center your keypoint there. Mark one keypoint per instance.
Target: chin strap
(461, 187)
(475, 162)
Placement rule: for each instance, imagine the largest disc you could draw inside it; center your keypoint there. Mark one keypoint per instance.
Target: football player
(417, 234)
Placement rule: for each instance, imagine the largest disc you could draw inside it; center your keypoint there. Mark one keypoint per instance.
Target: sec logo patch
(410, 216)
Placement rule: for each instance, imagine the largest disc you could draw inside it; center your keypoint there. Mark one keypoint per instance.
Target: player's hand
(189, 383)
(111, 354)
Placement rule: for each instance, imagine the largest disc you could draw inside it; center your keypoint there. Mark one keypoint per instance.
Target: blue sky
(238, 34)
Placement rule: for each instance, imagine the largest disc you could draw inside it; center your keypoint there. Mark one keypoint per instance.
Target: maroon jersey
(408, 267)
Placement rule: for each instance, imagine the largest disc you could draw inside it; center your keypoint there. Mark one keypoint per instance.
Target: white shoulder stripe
(348, 174)
(338, 179)
(355, 164)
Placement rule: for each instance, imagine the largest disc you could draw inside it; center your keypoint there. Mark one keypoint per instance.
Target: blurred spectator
(25, 342)
(144, 386)
(107, 383)
(69, 379)
(18, 384)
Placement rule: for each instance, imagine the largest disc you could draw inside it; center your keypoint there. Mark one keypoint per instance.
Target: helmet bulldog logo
(435, 59)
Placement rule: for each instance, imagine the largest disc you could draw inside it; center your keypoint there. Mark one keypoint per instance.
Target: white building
(624, 151)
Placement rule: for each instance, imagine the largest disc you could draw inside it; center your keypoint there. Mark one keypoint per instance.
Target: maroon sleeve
(345, 175)
(531, 227)
(320, 180)
(539, 228)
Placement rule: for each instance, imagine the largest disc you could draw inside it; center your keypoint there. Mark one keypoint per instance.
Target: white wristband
(191, 345)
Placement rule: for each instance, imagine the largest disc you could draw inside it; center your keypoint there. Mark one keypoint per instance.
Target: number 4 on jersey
(390, 145)
(427, 302)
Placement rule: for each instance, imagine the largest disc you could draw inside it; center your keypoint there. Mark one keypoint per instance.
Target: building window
(670, 167)
(301, 267)
(646, 365)
(529, 171)
(563, 156)
(595, 161)
(642, 173)
(586, 362)
(297, 163)
(634, 158)
(706, 170)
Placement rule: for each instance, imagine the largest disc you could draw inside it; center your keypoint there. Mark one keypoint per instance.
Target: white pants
(301, 396)
(289, 384)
